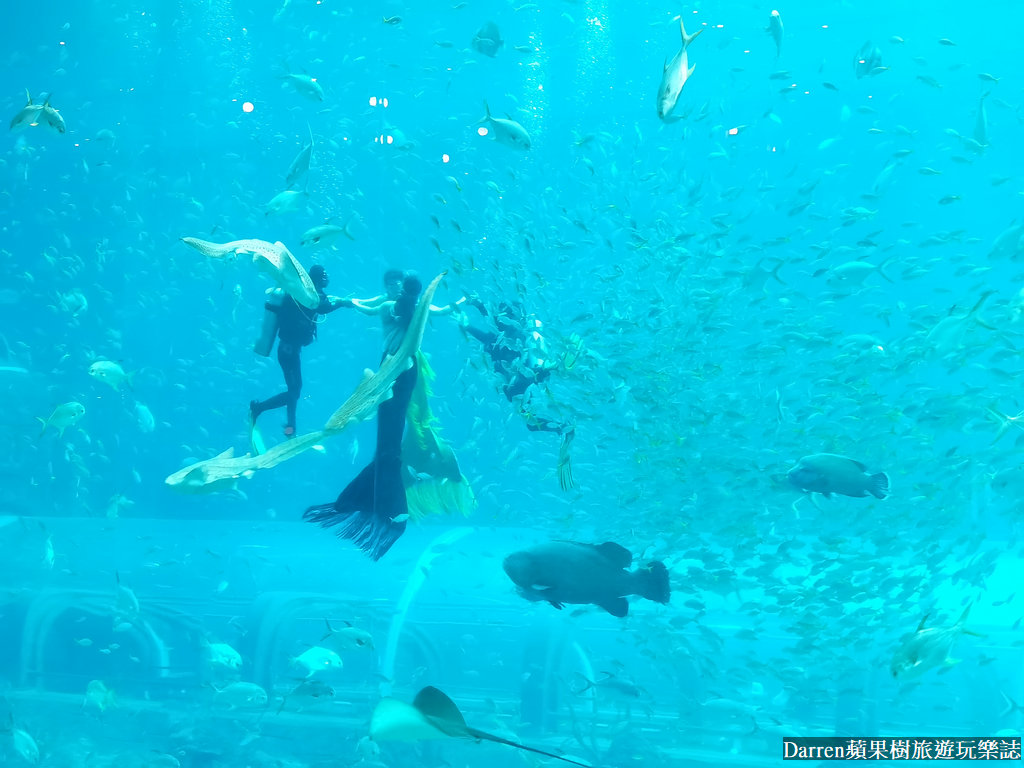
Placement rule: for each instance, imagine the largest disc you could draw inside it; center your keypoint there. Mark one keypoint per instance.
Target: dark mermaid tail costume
(372, 510)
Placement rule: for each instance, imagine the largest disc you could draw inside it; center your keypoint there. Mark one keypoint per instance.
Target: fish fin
(923, 620)
(330, 630)
(652, 582)
(827, 494)
(557, 606)
(616, 554)
(1011, 705)
(878, 485)
(687, 39)
(616, 606)
(444, 714)
(228, 454)
(28, 96)
(972, 633)
(690, 71)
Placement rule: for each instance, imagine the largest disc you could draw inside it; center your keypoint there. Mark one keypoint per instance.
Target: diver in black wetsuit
(296, 329)
(372, 509)
(516, 354)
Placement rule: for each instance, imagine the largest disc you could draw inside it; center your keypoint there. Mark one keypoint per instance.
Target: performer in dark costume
(372, 510)
(296, 328)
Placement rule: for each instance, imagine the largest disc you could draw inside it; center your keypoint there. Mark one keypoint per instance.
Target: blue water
(705, 265)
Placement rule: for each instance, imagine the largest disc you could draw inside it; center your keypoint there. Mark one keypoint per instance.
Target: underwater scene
(508, 383)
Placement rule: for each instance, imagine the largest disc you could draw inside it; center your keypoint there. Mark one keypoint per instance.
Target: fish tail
(878, 485)
(652, 582)
(687, 39)
(1011, 706)
(963, 620)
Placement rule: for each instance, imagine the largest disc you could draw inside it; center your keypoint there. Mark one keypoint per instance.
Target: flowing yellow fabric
(434, 482)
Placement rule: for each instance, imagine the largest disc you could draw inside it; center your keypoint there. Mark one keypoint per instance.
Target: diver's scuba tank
(268, 332)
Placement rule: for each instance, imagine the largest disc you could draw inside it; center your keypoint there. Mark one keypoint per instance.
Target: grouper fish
(562, 572)
(828, 473)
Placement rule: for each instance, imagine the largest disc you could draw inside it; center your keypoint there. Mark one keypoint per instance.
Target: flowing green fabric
(433, 483)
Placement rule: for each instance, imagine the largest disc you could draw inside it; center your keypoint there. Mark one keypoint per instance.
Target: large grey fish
(488, 40)
(675, 75)
(32, 115)
(828, 473)
(562, 572)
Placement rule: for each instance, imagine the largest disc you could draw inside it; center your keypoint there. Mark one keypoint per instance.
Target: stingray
(273, 259)
(432, 715)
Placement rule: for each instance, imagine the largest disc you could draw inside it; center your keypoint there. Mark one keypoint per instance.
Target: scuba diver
(518, 354)
(295, 328)
(372, 509)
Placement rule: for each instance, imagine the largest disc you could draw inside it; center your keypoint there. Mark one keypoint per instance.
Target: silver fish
(305, 85)
(675, 75)
(775, 29)
(324, 235)
(928, 648)
(507, 132)
(300, 165)
(32, 115)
